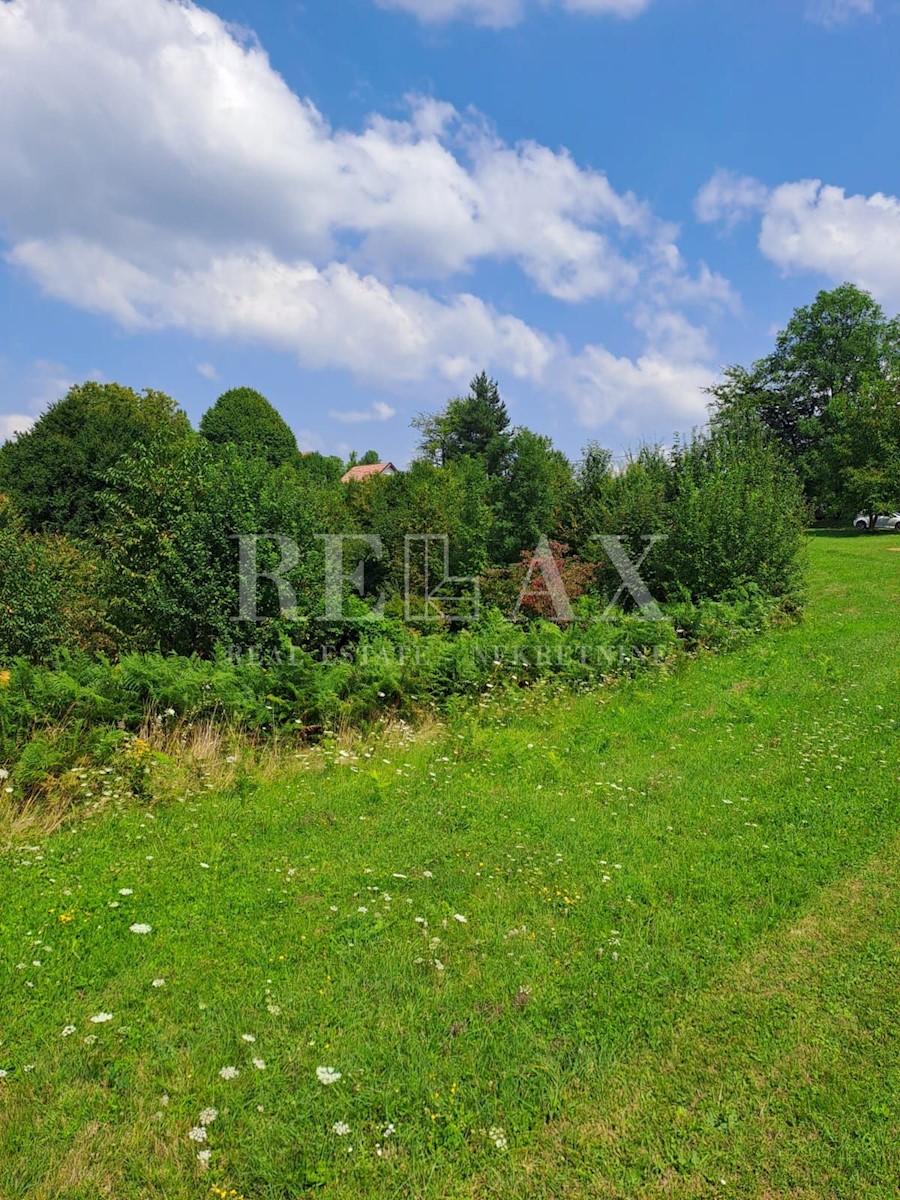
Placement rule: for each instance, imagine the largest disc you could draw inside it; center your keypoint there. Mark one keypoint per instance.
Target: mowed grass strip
(540, 949)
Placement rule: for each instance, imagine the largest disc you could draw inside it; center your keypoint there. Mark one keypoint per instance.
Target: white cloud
(151, 129)
(838, 12)
(13, 423)
(159, 172)
(500, 14)
(378, 412)
(812, 226)
(729, 198)
(650, 393)
(208, 371)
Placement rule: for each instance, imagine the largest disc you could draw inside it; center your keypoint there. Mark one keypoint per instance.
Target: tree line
(118, 518)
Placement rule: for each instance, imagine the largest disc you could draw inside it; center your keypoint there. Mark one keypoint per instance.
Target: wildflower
(198, 1134)
(259, 1063)
(208, 1116)
(100, 1018)
(247, 1037)
(170, 712)
(341, 1128)
(274, 1009)
(229, 1072)
(5, 677)
(66, 917)
(68, 1031)
(112, 904)
(205, 866)
(498, 1137)
(438, 965)
(327, 1075)
(3, 1074)
(462, 920)
(389, 1131)
(90, 1039)
(4, 774)
(203, 1157)
(141, 928)
(428, 874)
(126, 891)
(158, 983)
(232, 758)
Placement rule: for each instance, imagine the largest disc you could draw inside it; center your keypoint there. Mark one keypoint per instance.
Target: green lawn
(676, 974)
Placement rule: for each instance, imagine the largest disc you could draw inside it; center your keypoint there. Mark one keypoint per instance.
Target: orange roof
(356, 474)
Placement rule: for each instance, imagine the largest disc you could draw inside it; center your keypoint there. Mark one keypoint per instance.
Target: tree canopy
(244, 418)
(56, 471)
(828, 356)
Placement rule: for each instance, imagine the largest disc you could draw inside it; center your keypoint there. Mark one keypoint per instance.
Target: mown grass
(676, 974)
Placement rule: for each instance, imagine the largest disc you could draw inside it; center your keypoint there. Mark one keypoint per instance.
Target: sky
(356, 205)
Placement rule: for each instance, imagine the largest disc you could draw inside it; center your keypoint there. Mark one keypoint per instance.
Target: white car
(886, 521)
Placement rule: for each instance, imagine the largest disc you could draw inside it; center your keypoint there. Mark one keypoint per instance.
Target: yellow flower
(66, 917)
(5, 677)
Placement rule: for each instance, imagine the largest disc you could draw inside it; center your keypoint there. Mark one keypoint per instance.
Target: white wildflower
(259, 1063)
(247, 1037)
(141, 928)
(327, 1075)
(68, 1031)
(203, 1157)
(100, 1018)
(498, 1137)
(158, 983)
(459, 917)
(208, 1116)
(198, 1134)
(126, 891)
(4, 775)
(341, 1128)
(90, 1039)
(229, 1072)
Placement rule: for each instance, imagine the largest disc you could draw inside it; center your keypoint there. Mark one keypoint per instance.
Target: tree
(56, 471)
(170, 572)
(472, 426)
(530, 496)
(861, 452)
(832, 347)
(245, 419)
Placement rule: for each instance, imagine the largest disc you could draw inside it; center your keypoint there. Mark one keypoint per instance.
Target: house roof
(356, 474)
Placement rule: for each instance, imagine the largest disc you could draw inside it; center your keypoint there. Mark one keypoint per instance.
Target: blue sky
(353, 205)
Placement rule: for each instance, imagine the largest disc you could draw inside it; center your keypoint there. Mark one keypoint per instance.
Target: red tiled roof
(356, 474)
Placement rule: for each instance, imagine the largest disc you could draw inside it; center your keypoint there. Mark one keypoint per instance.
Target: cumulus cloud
(729, 198)
(812, 226)
(500, 14)
(831, 13)
(152, 129)
(158, 171)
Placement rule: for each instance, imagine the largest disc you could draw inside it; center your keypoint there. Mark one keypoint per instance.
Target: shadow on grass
(851, 533)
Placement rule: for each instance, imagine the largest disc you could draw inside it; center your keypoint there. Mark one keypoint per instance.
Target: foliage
(832, 350)
(56, 471)
(472, 426)
(245, 419)
(171, 558)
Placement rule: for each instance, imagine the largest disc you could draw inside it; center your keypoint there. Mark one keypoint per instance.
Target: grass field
(637, 943)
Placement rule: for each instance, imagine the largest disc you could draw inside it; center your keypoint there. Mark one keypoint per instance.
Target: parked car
(886, 521)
